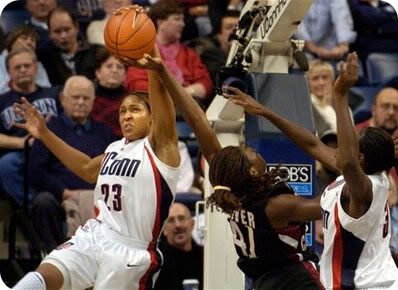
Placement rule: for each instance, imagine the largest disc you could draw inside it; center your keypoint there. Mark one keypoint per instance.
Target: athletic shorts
(300, 276)
(99, 257)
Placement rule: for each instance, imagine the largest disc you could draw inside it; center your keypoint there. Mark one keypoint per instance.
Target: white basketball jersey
(356, 251)
(134, 190)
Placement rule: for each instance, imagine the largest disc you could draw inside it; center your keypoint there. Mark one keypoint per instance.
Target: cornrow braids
(230, 167)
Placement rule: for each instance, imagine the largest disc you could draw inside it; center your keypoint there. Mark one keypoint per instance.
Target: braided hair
(230, 169)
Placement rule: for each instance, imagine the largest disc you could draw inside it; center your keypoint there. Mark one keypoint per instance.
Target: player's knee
(55, 274)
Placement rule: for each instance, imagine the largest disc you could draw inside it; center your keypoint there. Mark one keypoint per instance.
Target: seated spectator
(84, 11)
(182, 61)
(197, 22)
(213, 50)
(23, 36)
(376, 24)
(69, 55)
(39, 11)
(217, 8)
(320, 81)
(21, 65)
(327, 29)
(109, 89)
(95, 30)
(60, 187)
(183, 258)
(384, 112)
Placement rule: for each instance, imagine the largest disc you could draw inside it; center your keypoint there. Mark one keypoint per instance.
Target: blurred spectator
(39, 11)
(213, 50)
(95, 30)
(376, 24)
(217, 9)
(84, 11)
(21, 64)
(384, 111)
(68, 55)
(327, 29)
(197, 21)
(320, 81)
(109, 89)
(183, 258)
(60, 187)
(181, 60)
(22, 36)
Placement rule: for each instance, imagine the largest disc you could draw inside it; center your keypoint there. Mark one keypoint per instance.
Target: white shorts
(97, 256)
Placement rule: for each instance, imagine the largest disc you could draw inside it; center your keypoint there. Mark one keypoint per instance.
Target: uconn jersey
(259, 246)
(356, 252)
(134, 190)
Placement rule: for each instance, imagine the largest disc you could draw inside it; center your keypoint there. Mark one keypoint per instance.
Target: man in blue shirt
(21, 65)
(327, 29)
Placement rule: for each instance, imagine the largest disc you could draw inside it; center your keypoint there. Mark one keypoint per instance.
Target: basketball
(129, 34)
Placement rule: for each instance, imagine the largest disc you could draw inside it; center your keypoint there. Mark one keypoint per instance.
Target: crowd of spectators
(58, 52)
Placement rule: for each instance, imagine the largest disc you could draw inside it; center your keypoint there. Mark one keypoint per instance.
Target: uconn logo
(120, 167)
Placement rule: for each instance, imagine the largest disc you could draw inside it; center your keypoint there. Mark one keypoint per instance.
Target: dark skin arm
(299, 135)
(285, 208)
(357, 190)
(191, 113)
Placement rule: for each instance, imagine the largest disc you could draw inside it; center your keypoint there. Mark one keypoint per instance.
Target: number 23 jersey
(356, 251)
(134, 190)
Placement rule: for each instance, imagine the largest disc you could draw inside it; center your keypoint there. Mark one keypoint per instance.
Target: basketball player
(266, 218)
(136, 181)
(356, 221)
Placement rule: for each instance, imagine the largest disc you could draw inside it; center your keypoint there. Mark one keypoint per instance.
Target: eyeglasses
(388, 106)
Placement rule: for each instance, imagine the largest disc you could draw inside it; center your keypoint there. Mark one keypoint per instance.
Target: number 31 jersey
(356, 251)
(134, 190)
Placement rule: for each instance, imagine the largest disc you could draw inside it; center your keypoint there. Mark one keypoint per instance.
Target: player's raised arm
(358, 184)
(192, 114)
(299, 135)
(79, 163)
(163, 135)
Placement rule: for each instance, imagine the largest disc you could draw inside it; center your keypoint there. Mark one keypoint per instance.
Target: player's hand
(137, 8)
(152, 62)
(237, 97)
(35, 123)
(348, 74)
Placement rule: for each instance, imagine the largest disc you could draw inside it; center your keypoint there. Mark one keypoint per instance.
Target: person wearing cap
(26, 37)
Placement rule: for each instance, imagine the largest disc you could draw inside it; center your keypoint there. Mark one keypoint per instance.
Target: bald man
(59, 190)
(384, 111)
(183, 258)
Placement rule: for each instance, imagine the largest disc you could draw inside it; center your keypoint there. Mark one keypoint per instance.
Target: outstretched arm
(299, 135)
(192, 114)
(358, 185)
(79, 163)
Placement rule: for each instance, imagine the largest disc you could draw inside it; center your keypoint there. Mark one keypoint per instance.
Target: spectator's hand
(339, 51)
(35, 123)
(348, 74)
(237, 97)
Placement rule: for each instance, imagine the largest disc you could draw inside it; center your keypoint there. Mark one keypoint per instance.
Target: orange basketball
(130, 34)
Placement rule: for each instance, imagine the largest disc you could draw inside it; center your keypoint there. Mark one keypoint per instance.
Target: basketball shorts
(300, 276)
(99, 257)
